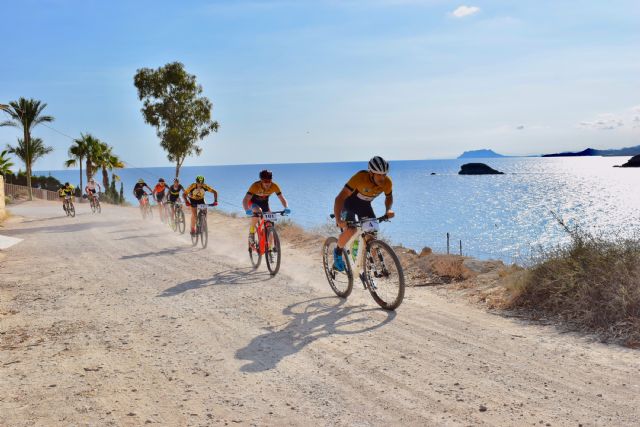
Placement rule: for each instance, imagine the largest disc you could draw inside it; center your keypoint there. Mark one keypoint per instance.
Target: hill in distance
(627, 151)
(480, 154)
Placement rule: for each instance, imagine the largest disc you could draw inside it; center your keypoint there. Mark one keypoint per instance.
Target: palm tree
(107, 161)
(5, 164)
(78, 152)
(26, 114)
(29, 154)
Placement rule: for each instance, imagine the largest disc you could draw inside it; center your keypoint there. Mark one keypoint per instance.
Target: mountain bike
(177, 219)
(145, 207)
(202, 230)
(371, 259)
(95, 203)
(68, 207)
(266, 242)
(168, 218)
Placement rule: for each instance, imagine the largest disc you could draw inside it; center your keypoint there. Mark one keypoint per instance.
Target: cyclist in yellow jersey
(66, 190)
(257, 198)
(195, 195)
(355, 199)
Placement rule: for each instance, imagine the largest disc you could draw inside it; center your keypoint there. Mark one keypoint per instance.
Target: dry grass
(593, 284)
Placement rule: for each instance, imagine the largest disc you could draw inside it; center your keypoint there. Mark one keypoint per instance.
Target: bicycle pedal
(363, 280)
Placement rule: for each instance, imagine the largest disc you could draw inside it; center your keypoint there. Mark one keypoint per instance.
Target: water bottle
(354, 248)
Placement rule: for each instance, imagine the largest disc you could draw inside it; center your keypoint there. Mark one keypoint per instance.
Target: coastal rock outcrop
(633, 162)
(478, 169)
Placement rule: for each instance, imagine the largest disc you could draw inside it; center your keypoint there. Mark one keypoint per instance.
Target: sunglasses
(266, 181)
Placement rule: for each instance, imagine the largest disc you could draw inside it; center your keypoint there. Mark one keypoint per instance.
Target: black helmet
(266, 174)
(66, 184)
(161, 180)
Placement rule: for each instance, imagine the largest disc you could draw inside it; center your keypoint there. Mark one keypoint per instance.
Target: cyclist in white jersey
(90, 189)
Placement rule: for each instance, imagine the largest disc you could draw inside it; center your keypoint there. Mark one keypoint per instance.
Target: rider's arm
(339, 203)
(246, 200)
(388, 202)
(283, 201)
(215, 194)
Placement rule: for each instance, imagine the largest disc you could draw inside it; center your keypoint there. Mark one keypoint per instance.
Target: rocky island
(478, 169)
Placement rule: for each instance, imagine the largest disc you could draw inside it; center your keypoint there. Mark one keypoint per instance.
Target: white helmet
(91, 180)
(378, 165)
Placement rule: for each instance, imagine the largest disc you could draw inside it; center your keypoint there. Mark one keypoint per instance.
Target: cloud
(463, 11)
(520, 127)
(603, 122)
(636, 122)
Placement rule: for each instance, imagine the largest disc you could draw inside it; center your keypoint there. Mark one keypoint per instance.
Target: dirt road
(109, 320)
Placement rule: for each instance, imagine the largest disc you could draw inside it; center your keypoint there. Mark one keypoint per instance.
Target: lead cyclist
(355, 200)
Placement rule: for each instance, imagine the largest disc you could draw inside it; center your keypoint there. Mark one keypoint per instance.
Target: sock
(252, 229)
(338, 250)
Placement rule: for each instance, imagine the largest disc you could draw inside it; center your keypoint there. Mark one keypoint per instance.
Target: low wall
(2, 207)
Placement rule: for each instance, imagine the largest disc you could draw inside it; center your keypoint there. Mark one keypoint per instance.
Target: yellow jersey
(258, 193)
(195, 193)
(66, 191)
(364, 188)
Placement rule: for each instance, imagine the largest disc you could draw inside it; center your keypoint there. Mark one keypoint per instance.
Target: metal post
(460, 247)
(447, 243)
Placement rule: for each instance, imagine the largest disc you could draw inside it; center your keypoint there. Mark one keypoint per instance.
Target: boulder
(633, 162)
(478, 169)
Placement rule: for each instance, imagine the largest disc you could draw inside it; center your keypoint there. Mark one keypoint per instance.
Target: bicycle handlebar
(259, 214)
(358, 223)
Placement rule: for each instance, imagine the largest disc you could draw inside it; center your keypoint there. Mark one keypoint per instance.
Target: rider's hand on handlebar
(215, 203)
(187, 203)
(249, 211)
(286, 211)
(390, 214)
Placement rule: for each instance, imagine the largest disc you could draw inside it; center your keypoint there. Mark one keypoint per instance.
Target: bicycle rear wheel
(72, 210)
(66, 208)
(254, 250)
(340, 281)
(272, 250)
(204, 231)
(93, 206)
(98, 207)
(384, 275)
(180, 221)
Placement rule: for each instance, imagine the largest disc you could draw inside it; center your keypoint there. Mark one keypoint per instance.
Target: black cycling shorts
(159, 197)
(262, 204)
(196, 202)
(354, 206)
(139, 194)
(173, 198)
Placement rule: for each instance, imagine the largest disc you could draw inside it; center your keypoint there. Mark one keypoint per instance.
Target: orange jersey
(365, 189)
(257, 192)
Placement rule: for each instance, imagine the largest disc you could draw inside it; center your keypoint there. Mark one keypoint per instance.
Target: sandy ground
(109, 320)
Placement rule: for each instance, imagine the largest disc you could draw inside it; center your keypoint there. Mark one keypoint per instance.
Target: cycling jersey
(159, 188)
(365, 189)
(175, 194)
(195, 193)
(139, 187)
(259, 194)
(66, 191)
(92, 186)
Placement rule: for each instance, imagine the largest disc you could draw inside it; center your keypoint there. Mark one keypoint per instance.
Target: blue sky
(329, 80)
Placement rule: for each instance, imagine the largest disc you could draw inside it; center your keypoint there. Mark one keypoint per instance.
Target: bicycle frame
(262, 225)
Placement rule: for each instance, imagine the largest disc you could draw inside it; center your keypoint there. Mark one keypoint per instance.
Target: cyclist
(174, 194)
(158, 195)
(66, 190)
(138, 190)
(90, 189)
(355, 199)
(195, 195)
(257, 199)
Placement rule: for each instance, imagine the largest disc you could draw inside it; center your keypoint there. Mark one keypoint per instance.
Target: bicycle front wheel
(384, 275)
(272, 250)
(204, 231)
(72, 210)
(254, 250)
(98, 207)
(93, 206)
(340, 281)
(180, 221)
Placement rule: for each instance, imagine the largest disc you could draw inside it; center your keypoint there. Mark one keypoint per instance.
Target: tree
(173, 104)
(29, 154)
(26, 114)
(104, 159)
(78, 152)
(5, 164)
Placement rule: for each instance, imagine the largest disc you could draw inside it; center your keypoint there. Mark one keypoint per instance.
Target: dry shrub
(593, 284)
(449, 267)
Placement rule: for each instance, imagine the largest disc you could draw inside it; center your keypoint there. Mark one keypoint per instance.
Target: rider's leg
(193, 218)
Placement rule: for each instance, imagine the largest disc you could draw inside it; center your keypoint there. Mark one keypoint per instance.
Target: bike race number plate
(270, 217)
(202, 208)
(67, 197)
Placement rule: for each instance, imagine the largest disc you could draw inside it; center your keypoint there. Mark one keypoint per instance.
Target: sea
(511, 217)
